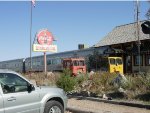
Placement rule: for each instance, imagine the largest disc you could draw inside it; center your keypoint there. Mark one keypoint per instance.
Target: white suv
(18, 95)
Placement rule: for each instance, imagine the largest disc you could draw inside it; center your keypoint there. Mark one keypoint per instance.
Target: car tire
(53, 107)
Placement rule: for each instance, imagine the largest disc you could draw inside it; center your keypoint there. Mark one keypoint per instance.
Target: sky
(71, 23)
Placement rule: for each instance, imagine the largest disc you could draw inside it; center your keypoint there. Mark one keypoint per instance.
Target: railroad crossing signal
(146, 27)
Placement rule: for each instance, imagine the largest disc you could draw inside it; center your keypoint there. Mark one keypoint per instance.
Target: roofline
(86, 49)
(131, 23)
(120, 43)
(12, 60)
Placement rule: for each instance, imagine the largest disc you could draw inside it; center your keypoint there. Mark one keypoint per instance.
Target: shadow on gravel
(117, 95)
(83, 93)
(143, 97)
(77, 111)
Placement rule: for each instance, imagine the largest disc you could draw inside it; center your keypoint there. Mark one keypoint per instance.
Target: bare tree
(148, 12)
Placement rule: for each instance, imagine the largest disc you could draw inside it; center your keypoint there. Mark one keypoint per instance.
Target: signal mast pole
(138, 34)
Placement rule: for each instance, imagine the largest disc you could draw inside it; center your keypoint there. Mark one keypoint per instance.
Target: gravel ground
(68, 112)
(100, 107)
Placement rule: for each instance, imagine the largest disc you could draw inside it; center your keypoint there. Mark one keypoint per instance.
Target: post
(138, 36)
(45, 63)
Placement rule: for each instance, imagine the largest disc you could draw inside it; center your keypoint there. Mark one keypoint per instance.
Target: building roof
(122, 34)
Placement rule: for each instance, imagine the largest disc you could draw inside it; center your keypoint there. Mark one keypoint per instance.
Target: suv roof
(8, 71)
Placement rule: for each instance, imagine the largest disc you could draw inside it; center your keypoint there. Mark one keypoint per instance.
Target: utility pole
(31, 38)
(138, 34)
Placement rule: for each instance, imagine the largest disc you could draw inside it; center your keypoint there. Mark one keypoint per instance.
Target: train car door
(119, 65)
(112, 64)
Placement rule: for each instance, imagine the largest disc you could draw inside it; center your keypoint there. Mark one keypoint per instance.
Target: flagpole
(31, 37)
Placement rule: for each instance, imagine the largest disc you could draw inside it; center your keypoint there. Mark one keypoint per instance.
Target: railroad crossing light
(146, 27)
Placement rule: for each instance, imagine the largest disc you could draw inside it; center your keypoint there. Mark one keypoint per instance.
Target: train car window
(15, 65)
(4, 65)
(42, 62)
(67, 63)
(49, 62)
(33, 63)
(119, 61)
(112, 61)
(38, 63)
(53, 61)
(58, 61)
(75, 63)
(81, 63)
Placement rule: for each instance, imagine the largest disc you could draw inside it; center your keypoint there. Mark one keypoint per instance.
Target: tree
(93, 61)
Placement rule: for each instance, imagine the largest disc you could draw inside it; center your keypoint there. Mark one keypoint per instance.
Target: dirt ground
(101, 107)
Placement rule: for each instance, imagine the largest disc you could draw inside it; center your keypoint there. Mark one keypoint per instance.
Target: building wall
(130, 50)
(143, 67)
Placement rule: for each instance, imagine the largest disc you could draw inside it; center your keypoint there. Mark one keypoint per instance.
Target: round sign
(44, 37)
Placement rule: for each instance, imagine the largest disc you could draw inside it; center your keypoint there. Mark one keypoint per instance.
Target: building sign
(45, 37)
(44, 48)
(44, 42)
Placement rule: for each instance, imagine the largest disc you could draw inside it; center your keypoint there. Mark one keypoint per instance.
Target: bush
(66, 81)
(101, 82)
(139, 83)
(81, 78)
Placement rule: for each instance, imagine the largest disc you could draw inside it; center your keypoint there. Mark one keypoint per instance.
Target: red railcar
(76, 65)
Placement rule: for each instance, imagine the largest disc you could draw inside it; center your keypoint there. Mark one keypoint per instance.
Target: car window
(12, 83)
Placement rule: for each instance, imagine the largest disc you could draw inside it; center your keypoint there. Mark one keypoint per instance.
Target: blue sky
(71, 23)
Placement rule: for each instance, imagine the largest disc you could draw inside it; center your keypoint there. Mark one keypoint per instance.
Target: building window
(147, 60)
(136, 60)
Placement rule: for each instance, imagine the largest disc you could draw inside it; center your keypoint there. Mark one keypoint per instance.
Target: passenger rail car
(54, 61)
(16, 65)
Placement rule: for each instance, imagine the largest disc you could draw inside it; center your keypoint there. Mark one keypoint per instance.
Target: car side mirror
(30, 87)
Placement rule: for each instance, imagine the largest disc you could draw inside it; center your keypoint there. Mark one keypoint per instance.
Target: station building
(123, 41)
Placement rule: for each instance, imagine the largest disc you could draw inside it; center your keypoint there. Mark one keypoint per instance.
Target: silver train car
(54, 61)
(15, 65)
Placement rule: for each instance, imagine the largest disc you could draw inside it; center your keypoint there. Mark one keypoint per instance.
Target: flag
(33, 2)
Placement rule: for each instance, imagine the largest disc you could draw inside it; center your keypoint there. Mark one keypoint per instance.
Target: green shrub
(66, 81)
(67, 71)
(101, 82)
(81, 78)
(147, 82)
(139, 83)
(129, 84)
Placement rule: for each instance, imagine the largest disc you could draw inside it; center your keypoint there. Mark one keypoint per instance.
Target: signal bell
(146, 27)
